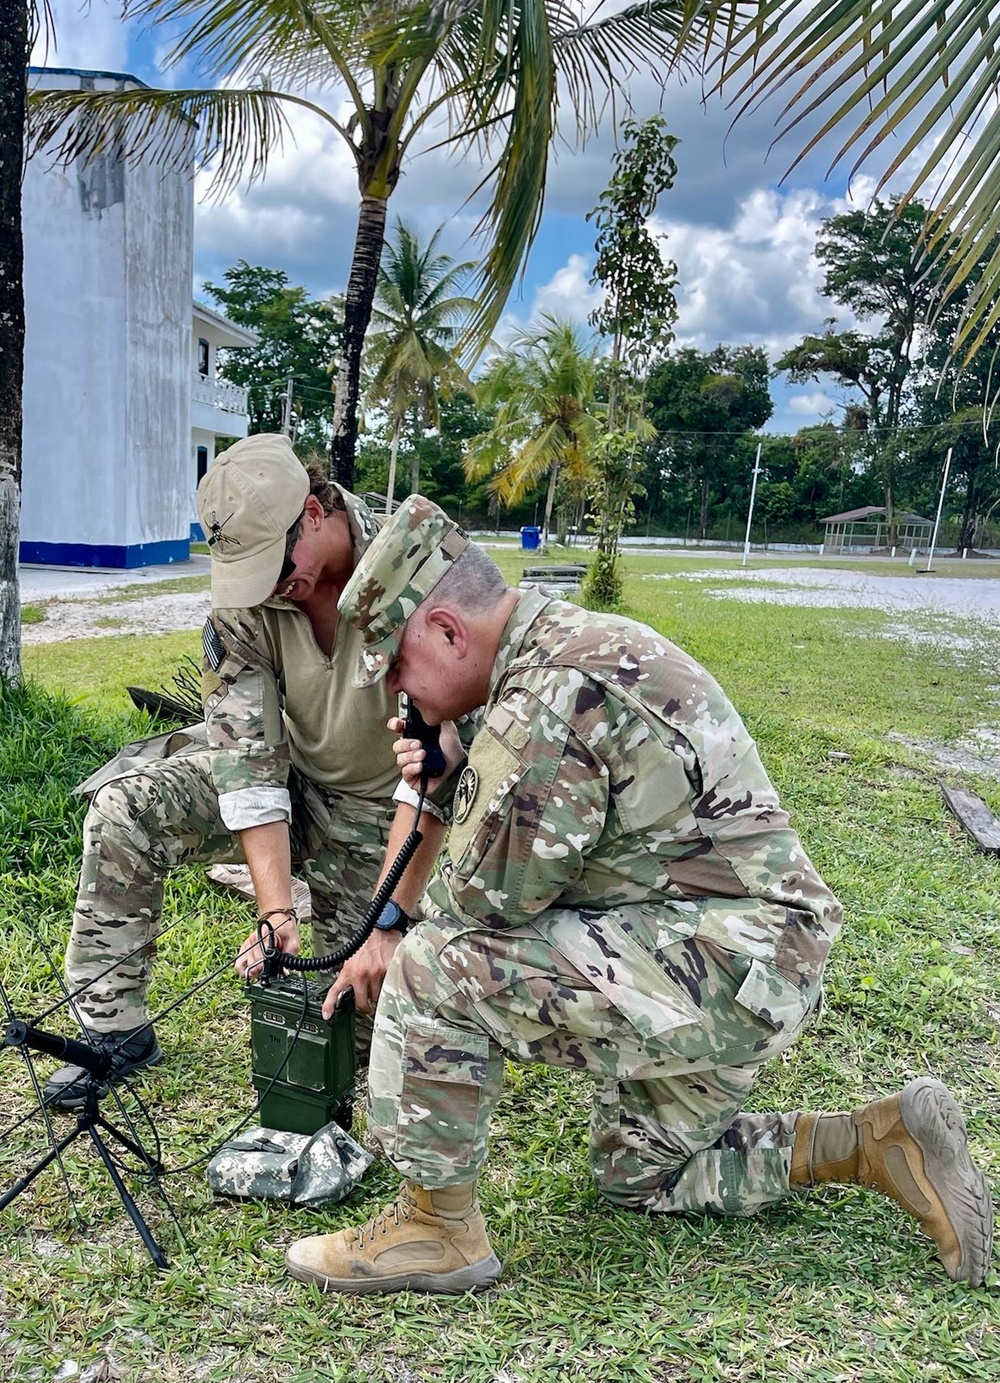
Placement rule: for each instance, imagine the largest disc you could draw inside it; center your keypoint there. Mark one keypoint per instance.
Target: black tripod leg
(29, 1177)
(134, 1213)
(128, 1143)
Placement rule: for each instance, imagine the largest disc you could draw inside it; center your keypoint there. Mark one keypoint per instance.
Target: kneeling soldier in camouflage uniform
(623, 895)
(296, 761)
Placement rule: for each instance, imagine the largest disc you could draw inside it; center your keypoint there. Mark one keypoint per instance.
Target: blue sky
(742, 239)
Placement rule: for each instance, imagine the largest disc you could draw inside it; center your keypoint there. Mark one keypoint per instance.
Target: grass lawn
(834, 1286)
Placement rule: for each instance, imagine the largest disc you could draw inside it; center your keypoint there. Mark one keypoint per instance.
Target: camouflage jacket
(273, 699)
(612, 770)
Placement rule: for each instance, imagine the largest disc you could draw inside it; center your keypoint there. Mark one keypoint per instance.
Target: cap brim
(240, 583)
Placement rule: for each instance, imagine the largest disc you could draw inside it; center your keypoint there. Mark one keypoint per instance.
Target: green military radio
(303, 1066)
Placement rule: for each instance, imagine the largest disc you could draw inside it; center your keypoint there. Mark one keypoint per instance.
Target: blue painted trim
(197, 533)
(109, 555)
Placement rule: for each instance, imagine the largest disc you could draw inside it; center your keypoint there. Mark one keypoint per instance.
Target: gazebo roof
(872, 511)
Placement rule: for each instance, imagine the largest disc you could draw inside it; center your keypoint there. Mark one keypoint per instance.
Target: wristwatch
(392, 918)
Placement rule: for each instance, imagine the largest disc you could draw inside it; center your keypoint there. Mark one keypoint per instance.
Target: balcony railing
(219, 393)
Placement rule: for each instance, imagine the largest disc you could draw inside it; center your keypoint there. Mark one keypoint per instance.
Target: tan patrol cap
(408, 558)
(248, 499)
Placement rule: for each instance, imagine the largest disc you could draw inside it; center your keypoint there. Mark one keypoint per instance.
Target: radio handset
(416, 728)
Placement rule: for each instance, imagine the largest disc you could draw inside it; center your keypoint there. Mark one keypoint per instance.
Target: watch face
(391, 918)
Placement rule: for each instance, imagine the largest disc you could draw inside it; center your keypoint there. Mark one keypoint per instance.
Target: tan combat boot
(428, 1241)
(912, 1146)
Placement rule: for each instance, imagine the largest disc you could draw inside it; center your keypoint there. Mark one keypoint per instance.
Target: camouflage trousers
(672, 1028)
(143, 824)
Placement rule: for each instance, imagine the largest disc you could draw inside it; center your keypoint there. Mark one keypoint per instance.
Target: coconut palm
(543, 387)
(20, 22)
(416, 326)
(493, 71)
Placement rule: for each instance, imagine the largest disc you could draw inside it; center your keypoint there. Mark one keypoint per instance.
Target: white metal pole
(937, 520)
(286, 409)
(753, 496)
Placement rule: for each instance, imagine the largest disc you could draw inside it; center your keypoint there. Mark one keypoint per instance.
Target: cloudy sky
(742, 238)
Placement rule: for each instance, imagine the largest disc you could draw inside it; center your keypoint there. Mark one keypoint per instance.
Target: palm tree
(543, 387)
(18, 25)
(492, 70)
(411, 350)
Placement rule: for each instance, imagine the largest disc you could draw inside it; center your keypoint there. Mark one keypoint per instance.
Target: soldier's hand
(410, 753)
(364, 973)
(249, 961)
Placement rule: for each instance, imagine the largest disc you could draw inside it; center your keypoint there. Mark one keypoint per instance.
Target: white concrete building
(218, 408)
(113, 414)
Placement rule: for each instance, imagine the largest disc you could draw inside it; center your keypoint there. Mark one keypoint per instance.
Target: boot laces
(397, 1212)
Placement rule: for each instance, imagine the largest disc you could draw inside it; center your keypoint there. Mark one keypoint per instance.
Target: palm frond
(296, 45)
(236, 131)
(932, 72)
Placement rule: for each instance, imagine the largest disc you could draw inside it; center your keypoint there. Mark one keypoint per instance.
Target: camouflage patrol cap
(248, 499)
(403, 565)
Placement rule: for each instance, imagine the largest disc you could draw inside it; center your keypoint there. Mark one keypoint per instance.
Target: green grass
(33, 614)
(837, 1286)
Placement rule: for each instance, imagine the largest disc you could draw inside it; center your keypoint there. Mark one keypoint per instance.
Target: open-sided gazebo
(865, 530)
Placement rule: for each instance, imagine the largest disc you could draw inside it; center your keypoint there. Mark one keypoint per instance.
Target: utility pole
(937, 520)
(286, 409)
(753, 496)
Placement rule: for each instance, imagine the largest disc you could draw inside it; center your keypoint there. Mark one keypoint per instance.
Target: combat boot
(913, 1147)
(427, 1241)
(67, 1088)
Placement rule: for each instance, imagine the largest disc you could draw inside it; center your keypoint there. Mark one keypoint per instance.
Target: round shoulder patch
(465, 793)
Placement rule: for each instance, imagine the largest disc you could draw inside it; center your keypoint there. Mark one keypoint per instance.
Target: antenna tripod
(89, 1120)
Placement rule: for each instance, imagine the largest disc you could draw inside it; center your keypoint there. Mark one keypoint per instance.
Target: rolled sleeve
(248, 807)
(411, 798)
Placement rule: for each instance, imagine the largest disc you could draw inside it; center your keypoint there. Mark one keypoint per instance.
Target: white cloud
(569, 294)
(811, 406)
(88, 36)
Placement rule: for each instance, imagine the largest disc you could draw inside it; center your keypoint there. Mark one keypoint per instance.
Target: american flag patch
(213, 647)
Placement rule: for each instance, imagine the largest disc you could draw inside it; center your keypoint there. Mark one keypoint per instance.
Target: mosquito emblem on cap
(216, 534)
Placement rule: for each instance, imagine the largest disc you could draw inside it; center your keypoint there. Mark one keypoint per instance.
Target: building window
(202, 455)
(202, 356)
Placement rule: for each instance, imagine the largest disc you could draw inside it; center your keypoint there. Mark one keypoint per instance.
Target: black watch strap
(392, 918)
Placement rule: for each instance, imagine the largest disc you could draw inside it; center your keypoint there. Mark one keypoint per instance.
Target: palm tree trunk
(415, 459)
(390, 489)
(549, 499)
(13, 65)
(357, 314)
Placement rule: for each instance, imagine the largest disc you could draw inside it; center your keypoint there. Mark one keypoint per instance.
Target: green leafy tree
(637, 313)
(297, 339)
(701, 404)
(411, 350)
(875, 266)
(951, 409)
(439, 458)
(545, 425)
(493, 71)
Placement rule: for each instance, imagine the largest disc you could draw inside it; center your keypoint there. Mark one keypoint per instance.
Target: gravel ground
(70, 615)
(854, 590)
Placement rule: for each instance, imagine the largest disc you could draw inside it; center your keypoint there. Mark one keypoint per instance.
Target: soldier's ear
(449, 625)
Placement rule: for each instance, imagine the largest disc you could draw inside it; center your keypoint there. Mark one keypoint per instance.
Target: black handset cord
(276, 960)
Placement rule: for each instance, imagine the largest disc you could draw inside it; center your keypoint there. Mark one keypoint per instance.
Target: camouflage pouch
(307, 1171)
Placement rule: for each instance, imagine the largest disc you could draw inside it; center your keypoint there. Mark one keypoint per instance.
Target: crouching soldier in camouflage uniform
(623, 895)
(297, 762)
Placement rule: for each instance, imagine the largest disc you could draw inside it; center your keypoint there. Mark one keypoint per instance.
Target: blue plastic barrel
(531, 538)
